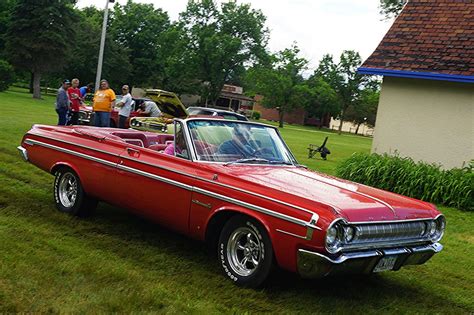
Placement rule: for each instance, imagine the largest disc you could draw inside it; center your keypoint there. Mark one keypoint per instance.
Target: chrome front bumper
(23, 153)
(315, 265)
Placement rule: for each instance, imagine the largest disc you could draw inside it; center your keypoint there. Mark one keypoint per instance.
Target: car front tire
(245, 251)
(69, 196)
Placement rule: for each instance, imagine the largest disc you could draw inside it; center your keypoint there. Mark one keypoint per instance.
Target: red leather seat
(158, 147)
(136, 138)
(162, 138)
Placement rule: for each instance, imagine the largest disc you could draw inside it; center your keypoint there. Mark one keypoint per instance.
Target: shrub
(7, 75)
(428, 182)
(256, 115)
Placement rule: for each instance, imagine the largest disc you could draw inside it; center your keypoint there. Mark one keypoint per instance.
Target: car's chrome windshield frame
(194, 156)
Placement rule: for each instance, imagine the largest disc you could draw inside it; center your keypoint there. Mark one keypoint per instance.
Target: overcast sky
(318, 26)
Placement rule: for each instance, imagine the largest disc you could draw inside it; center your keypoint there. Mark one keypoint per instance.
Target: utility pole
(102, 45)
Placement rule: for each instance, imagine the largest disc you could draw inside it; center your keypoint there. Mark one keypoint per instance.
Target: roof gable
(430, 38)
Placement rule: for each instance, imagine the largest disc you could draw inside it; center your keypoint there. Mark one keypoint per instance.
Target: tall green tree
(321, 100)
(177, 72)
(281, 83)
(365, 111)
(223, 40)
(141, 29)
(391, 8)
(344, 79)
(5, 14)
(39, 36)
(83, 57)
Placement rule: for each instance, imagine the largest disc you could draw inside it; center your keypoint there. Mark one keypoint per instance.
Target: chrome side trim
(314, 218)
(251, 206)
(291, 234)
(155, 177)
(85, 156)
(179, 184)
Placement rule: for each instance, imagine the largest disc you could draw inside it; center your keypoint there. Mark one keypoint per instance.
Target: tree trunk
(281, 114)
(340, 123)
(321, 121)
(357, 129)
(36, 85)
(31, 83)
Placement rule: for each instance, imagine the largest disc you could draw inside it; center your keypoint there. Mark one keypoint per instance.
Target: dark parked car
(206, 111)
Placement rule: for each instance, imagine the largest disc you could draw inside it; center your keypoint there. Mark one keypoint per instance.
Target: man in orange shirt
(104, 100)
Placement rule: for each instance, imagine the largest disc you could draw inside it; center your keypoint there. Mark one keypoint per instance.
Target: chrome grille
(389, 232)
(84, 116)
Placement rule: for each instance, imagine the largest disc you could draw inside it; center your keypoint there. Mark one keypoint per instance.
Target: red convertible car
(237, 186)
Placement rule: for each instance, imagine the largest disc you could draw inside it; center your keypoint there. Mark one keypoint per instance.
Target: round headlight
(432, 228)
(331, 236)
(349, 233)
(334, 237)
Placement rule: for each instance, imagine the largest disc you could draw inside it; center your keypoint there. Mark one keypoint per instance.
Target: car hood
(168, 102)
(300, 186)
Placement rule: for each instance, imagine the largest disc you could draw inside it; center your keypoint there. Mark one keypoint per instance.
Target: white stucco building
(426, 108)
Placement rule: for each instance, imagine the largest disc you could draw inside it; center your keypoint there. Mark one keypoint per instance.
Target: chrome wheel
(244, 251)
(68, 190)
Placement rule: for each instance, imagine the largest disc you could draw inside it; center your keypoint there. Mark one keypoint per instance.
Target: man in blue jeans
(62, 103)
(104, 100)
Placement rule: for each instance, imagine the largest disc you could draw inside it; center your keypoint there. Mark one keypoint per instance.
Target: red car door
(147, 182)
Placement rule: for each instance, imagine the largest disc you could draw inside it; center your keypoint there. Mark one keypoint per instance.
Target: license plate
(386, 263)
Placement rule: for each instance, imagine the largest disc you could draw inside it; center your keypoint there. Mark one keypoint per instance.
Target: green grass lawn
(300, 137)
(115, 261)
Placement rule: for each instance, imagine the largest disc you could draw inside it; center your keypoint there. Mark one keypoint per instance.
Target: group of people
(70, 97)
(69, 100)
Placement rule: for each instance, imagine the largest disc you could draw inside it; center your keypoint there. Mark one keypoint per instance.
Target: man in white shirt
(150, 109)
(125, 106)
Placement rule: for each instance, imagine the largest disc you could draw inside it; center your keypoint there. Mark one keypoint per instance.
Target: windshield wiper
(255, 159)
(280, 162)
(245, 160)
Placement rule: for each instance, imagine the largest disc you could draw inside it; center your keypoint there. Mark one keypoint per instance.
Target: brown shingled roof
(434, 36)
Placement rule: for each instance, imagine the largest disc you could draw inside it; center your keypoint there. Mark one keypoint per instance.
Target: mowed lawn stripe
(117, 261)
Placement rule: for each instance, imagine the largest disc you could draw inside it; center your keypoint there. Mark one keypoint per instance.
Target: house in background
(231, 98)
(426, 107)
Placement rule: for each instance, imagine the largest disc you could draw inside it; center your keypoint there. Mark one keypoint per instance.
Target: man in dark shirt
(239, 145)
(62, 103)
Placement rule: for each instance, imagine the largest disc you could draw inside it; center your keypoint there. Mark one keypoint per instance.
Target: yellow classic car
(170, 107)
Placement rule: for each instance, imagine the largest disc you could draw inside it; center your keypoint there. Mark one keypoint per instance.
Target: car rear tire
(245, 251)
(69, 196)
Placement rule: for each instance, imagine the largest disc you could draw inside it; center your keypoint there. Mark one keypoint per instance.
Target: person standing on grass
(62, 103)
(75, 97)
(125, 106)
(103, 103)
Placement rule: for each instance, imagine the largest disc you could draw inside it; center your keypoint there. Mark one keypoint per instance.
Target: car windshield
(236, 142)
